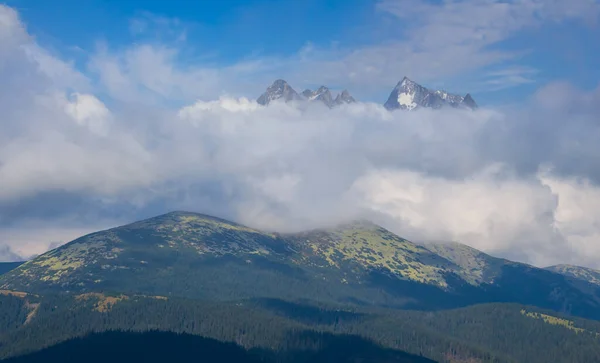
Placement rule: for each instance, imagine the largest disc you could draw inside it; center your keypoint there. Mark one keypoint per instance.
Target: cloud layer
(122, 141)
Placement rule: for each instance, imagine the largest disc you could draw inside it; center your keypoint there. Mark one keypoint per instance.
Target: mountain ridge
(577, 272)
(360, 263)
(407, 95)
(281, 90)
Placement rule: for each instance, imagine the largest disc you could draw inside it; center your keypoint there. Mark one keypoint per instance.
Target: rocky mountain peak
(280, 89)
(409, 95)
(322, 94)
(406, 82)
(344, 97)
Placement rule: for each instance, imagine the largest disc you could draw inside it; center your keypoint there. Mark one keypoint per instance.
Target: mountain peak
(405, 82)
(344, 97)
(322, 94)
(280, 89)
(469, 101)
(279, 83)
(409, 95)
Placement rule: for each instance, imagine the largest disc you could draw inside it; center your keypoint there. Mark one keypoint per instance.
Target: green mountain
(190, 255)
(471, 264)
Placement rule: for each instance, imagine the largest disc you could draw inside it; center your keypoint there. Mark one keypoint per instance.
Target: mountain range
(352, 285)
(281, 90)
(407, 95)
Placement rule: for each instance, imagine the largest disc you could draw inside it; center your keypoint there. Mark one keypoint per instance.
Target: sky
(113, 111)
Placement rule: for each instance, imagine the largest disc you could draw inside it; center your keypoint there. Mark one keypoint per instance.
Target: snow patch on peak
(442, 94)
(407, 100)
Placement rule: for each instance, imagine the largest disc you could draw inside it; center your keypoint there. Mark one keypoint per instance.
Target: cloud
(33, 237)
(509, 77)
(158, 27)
(8, 255)
(139, 134)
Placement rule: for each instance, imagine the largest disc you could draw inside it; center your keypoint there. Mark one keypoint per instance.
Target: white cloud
(477, 177)
(487, 210)
(88, 111)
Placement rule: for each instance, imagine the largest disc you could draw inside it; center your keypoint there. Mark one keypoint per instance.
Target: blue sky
(525, 45)
(232, 28)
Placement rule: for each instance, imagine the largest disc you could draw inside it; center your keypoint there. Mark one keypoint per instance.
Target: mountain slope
(577, 272)
(197, 256)
(409, 95)
(472, 265)
(483, 333)
(180, 253)
(369, 246)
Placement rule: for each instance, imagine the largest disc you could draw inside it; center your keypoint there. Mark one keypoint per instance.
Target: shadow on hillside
(305, 312)
(151, 347)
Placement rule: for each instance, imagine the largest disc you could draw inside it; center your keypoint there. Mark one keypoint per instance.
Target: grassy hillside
(196, 256)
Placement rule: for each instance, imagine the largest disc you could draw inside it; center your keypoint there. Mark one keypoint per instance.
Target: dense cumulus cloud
(80, 152)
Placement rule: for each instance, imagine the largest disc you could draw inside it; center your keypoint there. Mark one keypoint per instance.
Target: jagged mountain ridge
(198, 256)
(281, 90)
(322, 94)
(409, 95)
